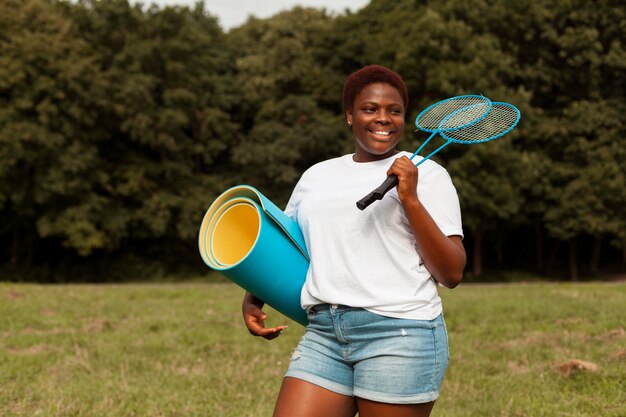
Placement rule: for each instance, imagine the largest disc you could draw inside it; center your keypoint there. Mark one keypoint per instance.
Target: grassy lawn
(182, 350)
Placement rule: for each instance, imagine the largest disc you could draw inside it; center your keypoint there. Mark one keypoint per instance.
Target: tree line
(120, 123)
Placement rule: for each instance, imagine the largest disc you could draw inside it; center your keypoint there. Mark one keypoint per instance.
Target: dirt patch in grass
(98, 325)
(30, 350)
(613, 335)
(518, 368)
(533, 339)
(619, 355)
(574, 366)
(14, 295)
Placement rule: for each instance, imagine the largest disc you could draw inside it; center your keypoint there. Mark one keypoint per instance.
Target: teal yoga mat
(257, 246)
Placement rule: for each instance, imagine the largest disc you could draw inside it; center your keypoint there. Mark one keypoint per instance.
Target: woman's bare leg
(298, 398)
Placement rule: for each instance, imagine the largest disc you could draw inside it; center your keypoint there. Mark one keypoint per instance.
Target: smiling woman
(376, 342)
(377, 121)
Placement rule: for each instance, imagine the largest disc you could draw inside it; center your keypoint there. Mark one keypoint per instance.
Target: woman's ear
(348, 115)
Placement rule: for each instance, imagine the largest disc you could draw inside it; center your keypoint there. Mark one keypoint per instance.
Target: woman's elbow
(451, 281)
(453, 276)
(456, 265)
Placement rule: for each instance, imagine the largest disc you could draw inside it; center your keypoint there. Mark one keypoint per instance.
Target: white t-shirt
(369, 258)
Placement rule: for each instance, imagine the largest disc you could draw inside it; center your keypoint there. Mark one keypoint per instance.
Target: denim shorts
(354, 352)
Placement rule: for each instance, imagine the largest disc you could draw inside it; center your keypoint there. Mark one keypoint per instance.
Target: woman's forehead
(379, 92)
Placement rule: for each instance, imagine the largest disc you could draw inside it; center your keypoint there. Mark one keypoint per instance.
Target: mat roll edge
(275, 267)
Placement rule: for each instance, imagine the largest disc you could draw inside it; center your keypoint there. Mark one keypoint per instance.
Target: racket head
(500, 120)
(453, 113)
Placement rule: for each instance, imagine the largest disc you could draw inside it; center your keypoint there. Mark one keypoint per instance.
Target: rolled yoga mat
(257, 246)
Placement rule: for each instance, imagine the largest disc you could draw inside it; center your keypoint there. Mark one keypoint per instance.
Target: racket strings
(454, 113)
(464, 116)
(501, 119)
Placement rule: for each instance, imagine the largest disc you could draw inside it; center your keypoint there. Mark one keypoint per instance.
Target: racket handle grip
(366, 201)
(387, 185)
(390, 182)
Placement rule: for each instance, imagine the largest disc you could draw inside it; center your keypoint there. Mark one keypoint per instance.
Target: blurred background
(121, 122)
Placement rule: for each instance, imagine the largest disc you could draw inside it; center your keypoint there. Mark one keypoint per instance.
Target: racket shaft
(423, 144)
(432, 153)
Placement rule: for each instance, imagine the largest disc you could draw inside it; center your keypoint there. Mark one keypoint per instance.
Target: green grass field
(182, 350)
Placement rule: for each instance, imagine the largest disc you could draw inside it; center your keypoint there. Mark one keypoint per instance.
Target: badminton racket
(500, 120)
(446, 115)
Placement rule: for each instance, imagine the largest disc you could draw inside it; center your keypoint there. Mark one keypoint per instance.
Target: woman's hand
(254, 318)
(407, 174)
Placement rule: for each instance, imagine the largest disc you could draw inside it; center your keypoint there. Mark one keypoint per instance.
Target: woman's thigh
(299, 398)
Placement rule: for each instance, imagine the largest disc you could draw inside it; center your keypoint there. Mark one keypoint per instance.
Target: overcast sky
(233, 13)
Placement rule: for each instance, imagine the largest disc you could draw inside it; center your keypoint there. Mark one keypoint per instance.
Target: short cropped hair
(372, 74)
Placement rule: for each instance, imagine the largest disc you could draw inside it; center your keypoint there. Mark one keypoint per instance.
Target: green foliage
(592, 172)
(285, 111)
(119, 123)
(50, 95)
(487, 178)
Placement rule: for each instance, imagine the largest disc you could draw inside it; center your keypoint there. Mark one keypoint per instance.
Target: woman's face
(377, 122)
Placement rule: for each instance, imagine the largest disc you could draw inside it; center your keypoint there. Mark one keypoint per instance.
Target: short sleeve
(442, 202)
(291, 209)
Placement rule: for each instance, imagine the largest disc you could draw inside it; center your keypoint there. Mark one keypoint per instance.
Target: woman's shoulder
(326, 165)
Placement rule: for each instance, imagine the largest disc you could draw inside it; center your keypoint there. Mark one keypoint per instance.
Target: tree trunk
(538, 248)
(30, 248)
(500, 254)
(553, 254)
(594, 262)
(573, 268)
(477, 256)
(15, 247)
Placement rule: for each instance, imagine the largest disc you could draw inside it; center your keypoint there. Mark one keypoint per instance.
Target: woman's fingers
(271, 333)
(255, 322)
(257, 329)
(407, 174)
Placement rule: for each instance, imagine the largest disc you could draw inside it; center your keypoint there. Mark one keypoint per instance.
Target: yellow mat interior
(235, 233)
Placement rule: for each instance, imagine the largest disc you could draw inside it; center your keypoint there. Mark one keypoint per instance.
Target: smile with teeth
(381, 132)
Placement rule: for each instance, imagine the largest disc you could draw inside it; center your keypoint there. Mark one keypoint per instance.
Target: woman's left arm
(444, 256)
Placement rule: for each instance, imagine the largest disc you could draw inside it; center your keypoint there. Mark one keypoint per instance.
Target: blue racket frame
(392, 180)
(481, 101)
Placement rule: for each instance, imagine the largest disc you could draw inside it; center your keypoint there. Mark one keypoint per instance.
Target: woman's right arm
(254, 318)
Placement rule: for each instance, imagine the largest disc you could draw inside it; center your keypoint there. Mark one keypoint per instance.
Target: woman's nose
(383, 117)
